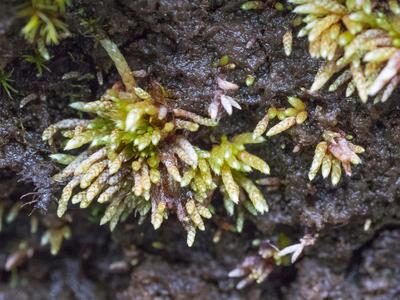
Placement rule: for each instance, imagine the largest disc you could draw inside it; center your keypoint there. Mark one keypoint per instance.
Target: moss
(288, 117)
(39, 62)
(360, 38)
(333, 152)
(256, 267)
(252, 5)
(55, 231)
(55, 237)
(5, 83)
(44, 25)
(137, 157)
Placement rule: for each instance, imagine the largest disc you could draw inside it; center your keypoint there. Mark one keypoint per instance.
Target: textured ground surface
(177, 42)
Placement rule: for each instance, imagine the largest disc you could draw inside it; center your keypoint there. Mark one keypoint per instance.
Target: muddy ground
(177, 42)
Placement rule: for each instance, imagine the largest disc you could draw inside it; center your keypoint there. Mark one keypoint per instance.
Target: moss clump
(252, 5)
(258, 266)
(44, 25)
(55, 237)
(5, 83)
(39, 62)
(137, 157)
(230, 160)
(288, 117)
(334, 151)
(361, 39)
(55, 230)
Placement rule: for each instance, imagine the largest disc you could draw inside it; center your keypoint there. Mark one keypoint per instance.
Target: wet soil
(177, 42)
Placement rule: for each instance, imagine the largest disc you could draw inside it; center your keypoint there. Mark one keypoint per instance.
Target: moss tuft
(360, 40)
(137, 157)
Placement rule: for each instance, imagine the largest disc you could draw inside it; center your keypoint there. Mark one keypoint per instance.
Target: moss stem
(120, 63)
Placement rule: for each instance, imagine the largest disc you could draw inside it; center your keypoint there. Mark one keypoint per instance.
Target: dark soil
(176, 42)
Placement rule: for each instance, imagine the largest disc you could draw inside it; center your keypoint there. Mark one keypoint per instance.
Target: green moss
(355, 37)
(39, 62)
(288, 117)
(136, 156)
(335, 152)
(250, 80)
(55, 237)
(5, 83)
(252, 5)
(54, 234)
(44, 25)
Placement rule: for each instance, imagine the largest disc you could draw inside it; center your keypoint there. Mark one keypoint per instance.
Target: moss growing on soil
(178, 41)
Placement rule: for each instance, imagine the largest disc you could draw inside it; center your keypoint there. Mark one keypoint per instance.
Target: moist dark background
(177, 42)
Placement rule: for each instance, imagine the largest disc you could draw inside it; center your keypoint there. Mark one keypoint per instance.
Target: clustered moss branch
(5, 83)
(288, 117)
(332, 153)
(360, 40)
(137, 157)
(54, 234)
(44, 25)
(135, 152)
(257, 267)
